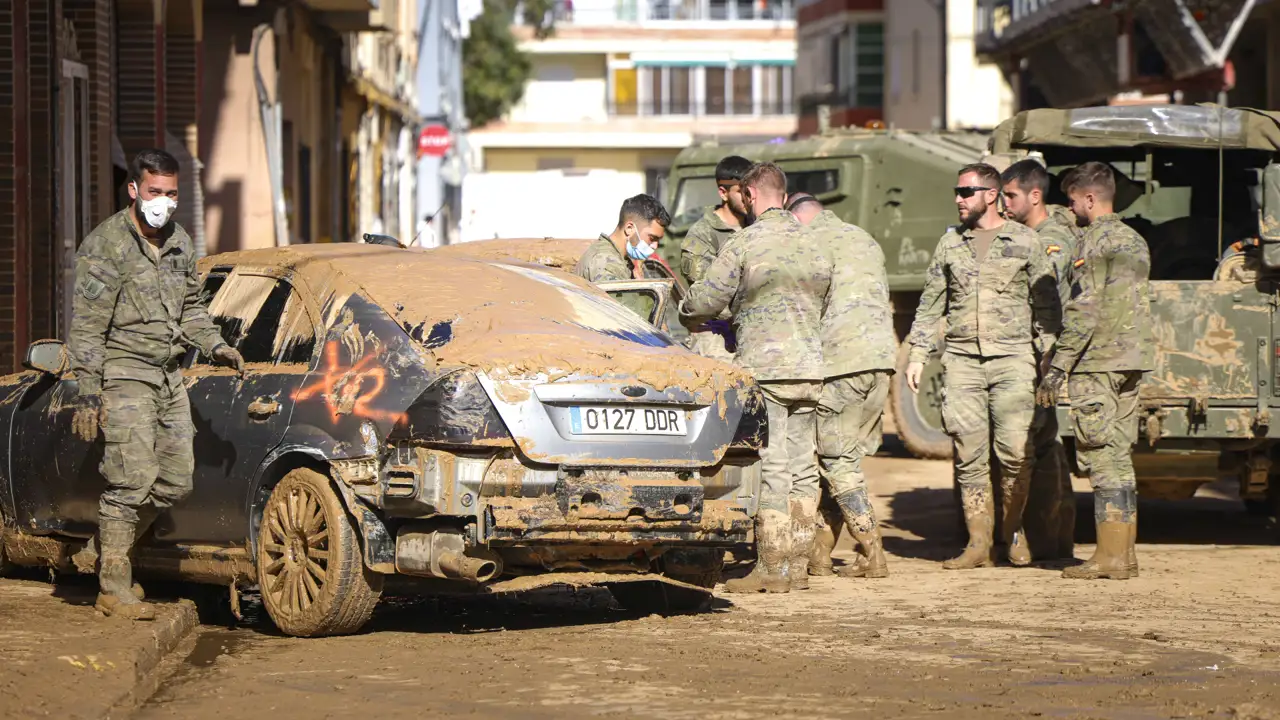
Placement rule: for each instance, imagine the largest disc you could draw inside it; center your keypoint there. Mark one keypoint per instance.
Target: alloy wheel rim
(297, 548)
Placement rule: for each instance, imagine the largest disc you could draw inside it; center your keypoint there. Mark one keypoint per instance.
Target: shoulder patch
(1053, 249)
(1078, 263)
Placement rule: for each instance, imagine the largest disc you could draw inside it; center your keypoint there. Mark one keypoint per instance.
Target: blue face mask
(640, 251)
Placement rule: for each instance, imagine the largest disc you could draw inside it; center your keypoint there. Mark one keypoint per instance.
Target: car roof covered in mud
(1181, 126)
(507, 316)
(559, 253)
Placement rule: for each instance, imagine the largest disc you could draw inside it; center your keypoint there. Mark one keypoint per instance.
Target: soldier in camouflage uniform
(1105, 347)
(995, 287)
(858, 349)
(1050, 517)
(642, 222)
(136, 310)
(702, 244)
(774, 275)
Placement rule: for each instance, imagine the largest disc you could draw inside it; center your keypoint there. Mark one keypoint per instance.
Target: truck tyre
(918, 417)
(310, 568)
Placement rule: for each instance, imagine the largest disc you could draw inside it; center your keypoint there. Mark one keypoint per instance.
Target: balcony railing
(745, 109)
(616, 12)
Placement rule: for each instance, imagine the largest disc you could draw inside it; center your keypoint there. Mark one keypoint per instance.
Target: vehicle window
(693, 196)
(641, 301)
(265, 319)
(212, 284)
(814, 182)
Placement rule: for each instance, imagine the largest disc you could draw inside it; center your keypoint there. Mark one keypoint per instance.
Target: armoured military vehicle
(897, 185)
(1202, 185)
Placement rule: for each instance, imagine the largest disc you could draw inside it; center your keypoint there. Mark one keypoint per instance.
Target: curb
(173, 624)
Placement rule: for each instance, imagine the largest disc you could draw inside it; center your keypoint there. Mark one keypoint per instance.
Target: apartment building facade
(86, 84)
(624, 86)
(906, 63)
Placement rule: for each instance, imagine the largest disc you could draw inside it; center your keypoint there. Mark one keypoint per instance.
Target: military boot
(1115, 523)
(85, 559)
(1014, 504)
(115, 573)
(804, 525)
(979, 519)
(773, 550)
(861, 519)
(826, 536)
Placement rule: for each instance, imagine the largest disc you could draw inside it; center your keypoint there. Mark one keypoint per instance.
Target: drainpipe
(270, 111)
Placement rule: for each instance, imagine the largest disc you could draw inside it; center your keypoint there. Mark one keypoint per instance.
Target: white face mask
(157, 210)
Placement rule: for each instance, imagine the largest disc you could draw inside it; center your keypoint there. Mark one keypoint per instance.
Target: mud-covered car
(408, 413)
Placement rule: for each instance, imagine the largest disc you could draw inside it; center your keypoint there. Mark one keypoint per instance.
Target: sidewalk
(60, 658)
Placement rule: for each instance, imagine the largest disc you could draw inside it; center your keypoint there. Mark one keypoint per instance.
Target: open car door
(650, 299)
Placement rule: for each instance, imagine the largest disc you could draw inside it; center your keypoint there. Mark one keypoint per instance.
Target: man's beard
(971, 218)
(747, 219)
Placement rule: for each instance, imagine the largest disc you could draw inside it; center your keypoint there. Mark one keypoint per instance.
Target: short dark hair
(795, 200)
(766, 176)
(645, 208)
(985, 173)
(1029, 174)
(732, 169)
(1093, 175)
(154, 161)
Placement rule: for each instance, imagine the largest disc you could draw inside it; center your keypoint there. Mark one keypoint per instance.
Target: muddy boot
(85, 561)
(1114, 522)
(115, 574)
(827, 535)
(861, 519)
(773, 548)
(804, 525)
(980, 519)
(1014, 503)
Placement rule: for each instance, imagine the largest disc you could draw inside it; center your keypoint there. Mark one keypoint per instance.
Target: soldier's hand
(226, 355)
(88, 417)
(1044, 363)
(914, 371)
(1050, 388)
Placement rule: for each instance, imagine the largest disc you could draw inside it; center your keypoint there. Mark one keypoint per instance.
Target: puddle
(213, 644)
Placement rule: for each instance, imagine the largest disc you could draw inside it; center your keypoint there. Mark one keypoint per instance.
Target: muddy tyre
(701, 567)
(313, 578)
(918, 417)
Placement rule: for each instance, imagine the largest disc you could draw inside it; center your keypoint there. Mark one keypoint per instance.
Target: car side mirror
(49, 356)
(1269, 217)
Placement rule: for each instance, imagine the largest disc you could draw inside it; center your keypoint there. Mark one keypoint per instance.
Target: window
(263, 318)
(655, 182)
(678, 87)
(670, 90)
(869, 65)
(775, 89)
(814, 182)
(743, 101)
(693, 195)
(624, 91)
(716, 82)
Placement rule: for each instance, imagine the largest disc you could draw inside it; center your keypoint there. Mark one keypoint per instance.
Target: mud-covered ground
(1198, 635)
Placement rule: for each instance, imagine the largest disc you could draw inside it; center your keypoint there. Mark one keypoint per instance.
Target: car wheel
(701, 566)
(918, 416)
(313, 578)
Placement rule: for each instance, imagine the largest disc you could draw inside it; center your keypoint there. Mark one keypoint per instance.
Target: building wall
(913, 65)
(978, 95)
(531, 160)
(564, 87)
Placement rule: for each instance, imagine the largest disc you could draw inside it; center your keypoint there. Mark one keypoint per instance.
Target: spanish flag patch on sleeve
(1053, 249)
(1077, 263)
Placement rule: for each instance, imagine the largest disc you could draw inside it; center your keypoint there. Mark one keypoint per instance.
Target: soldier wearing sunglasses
(995, 288)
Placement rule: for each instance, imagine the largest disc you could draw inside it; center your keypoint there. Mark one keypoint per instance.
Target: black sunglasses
(968, 191)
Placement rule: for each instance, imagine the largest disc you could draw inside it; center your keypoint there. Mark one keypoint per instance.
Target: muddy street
(1196, 636)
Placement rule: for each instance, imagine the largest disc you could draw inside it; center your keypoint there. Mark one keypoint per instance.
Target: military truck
(898, 186)
(1202, 185)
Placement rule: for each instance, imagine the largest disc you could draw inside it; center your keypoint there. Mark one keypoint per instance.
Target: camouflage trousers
(789, 462)
(148, 457)
(1104, 415)
(849, 428)
(988, 401)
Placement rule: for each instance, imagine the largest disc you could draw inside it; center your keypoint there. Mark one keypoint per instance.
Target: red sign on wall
(434, 141)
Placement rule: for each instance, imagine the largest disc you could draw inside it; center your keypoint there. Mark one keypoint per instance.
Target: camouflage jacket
(603, 263)
(133, 315)
(1107, 323)
(993, 308)
(701, 246)
(1059, 243)
(774, 276)
(857, 322)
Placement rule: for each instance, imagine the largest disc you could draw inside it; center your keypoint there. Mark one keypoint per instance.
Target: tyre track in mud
(1195, 636)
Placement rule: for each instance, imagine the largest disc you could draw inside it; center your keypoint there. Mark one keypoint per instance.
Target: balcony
(686, 110)
(604, 13)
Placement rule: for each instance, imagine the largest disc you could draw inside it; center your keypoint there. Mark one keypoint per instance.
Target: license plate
(612, 420)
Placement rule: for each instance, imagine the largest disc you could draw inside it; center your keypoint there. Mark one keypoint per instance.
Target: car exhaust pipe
(443, 554)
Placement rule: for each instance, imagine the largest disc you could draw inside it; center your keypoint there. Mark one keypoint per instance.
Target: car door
(647, 298)
(273, 322)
